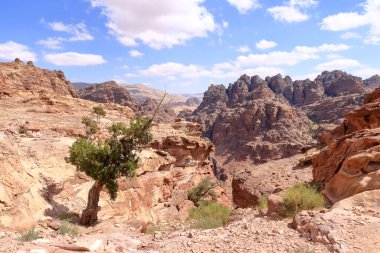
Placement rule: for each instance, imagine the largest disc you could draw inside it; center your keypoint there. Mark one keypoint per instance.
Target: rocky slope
(350, 163)
(19, 77)
(36, 183)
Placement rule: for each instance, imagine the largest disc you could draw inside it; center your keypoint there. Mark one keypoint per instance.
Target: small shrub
(22, 129)
(99, 112)
(300, 197)
(202, 191)
(209, 215)
(262, 204)
(70, 230)
(30, 235)
(151, 229)
(303, 250)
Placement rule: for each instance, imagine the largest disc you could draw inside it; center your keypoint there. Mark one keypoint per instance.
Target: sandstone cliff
(350, 163)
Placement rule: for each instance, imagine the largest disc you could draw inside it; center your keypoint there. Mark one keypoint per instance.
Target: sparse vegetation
(203, 191)
(67, 229)
(209, 215)
(262, 204)
(99, 112)
(22, 129)
(107, 160)
(30, 235)
(301, 197)
(303, 250)
(151, 229)
(91, 126)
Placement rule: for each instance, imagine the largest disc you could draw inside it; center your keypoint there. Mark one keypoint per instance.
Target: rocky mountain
(108, 92)
(20, 77)
(273, 118)
(372, 82)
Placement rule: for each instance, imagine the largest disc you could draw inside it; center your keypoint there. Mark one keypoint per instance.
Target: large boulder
(350, 163)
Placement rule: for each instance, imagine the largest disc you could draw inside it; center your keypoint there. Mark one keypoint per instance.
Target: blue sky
(185, 45)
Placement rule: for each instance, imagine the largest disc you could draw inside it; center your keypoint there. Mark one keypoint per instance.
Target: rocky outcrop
(19, 77)
(350, 163)
(108, 92)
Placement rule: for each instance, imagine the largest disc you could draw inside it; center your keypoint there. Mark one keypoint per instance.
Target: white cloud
(173, 23)
(291, 11)
(367, 72)
(287, 14)
(310, 76)
(297, 55)
(338, 64)
(265, 44)
(350, 35)
(51, 43)
(243, 49)
(135, 53)
(225, 24)
(74, 59)
(303, 3)
(350, 20)
(78, 31)
(244, 5)
(343, 21)
(12, 50)
(177, 71)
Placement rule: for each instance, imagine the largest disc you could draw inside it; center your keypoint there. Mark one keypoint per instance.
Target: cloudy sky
(185, 45)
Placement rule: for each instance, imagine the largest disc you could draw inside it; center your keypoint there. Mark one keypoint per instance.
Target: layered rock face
(372, 82)
(350, 163)
(108, 92)
(18, 77)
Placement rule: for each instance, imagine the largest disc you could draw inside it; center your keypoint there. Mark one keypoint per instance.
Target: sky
(183, 46)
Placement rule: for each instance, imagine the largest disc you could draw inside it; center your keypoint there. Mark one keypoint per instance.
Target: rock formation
(108, 92)
(248, 120)
(350, 163)
(266, 119)
(19, 77)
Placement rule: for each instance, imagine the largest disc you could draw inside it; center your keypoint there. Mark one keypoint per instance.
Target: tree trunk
(90, 214)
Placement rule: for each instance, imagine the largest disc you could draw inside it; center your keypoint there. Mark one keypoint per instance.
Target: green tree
(106, 161)
(99, 112)
(203, 190)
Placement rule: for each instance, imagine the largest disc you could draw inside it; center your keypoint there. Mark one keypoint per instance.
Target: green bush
(202, 191)
(22, 129)
(70, 230)
(209, 215)
(99, 112)
(303, 250)
(151, 229)
(301, 197)
(262, 204)
(30, 235)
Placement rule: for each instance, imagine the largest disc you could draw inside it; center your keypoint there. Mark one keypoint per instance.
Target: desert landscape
(265, 162)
